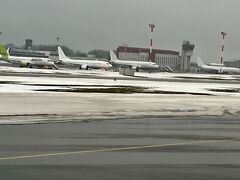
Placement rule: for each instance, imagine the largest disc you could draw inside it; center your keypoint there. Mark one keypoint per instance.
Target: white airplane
(30, 61)
(217, 69)
(83, 64)
(136, 65)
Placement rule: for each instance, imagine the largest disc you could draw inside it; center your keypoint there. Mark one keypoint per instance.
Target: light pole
(223, 34)
(152, 26)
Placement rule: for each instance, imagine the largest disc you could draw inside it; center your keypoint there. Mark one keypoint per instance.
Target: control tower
(187, 52)
(28, 44)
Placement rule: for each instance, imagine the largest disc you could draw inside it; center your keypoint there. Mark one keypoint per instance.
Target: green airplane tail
(3, 52)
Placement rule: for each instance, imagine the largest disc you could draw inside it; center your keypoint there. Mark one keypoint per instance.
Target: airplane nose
(108, 65)
(155, 66)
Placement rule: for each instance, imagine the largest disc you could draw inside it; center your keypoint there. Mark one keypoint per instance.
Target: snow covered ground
(22, 102)
(19, 84)
(22, 108)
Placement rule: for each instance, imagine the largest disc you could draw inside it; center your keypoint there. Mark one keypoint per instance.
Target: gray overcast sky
(105, 24)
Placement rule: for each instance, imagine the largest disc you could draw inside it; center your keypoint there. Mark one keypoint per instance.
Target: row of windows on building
(144, 58)
(167, 60)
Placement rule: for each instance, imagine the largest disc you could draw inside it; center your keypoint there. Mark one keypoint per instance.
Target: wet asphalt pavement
(95, 149)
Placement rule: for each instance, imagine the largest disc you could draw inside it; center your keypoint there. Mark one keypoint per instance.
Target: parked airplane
(30, 61)
(136, 65)
(217, 69)
(83, 64)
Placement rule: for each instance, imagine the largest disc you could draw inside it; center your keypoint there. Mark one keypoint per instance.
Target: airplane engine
(136, 68)
(24, 64)
(85, 67)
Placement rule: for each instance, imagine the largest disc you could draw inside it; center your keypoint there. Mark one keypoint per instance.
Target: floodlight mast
(152, 26)
(223, 34)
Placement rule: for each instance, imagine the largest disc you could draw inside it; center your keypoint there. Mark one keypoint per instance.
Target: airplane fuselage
(217, 69)
(135, 64)
(85, 64)
(222, 69)
(31, 61)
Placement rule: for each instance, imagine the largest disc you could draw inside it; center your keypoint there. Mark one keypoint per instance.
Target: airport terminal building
(164, 58)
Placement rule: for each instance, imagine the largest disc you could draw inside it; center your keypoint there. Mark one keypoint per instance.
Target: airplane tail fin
(61, 54)
(113, 57)
(8, 51)
(200, 62)
(4, 53)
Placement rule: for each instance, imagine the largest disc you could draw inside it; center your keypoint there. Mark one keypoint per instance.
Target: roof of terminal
(145, 50)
